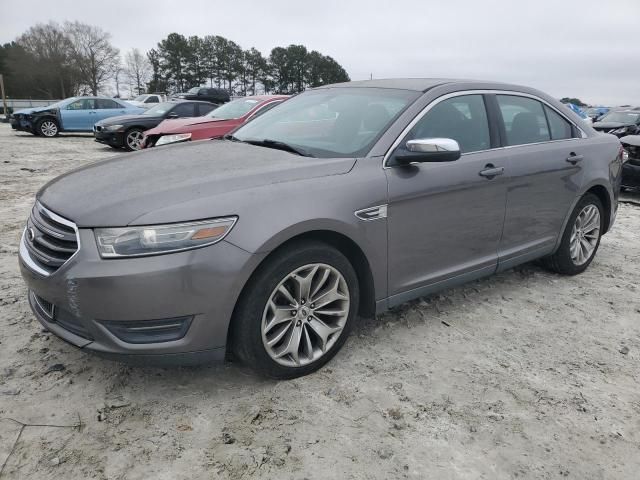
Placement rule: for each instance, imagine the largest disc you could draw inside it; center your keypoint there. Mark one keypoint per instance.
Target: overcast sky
(588, 49)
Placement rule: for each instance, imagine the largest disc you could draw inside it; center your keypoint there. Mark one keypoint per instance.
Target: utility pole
(4, 98)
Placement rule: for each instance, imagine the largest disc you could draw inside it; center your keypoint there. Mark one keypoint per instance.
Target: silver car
(341, 202)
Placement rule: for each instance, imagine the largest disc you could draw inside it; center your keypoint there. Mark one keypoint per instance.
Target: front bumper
(631, 174)
(90, 293)
(21, 123)
(115, 139)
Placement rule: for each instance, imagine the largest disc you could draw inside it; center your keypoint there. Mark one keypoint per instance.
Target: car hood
(26, 111)
(126, 119)
(118, 191)
(633, 140)
(608, 125)
(181, 125)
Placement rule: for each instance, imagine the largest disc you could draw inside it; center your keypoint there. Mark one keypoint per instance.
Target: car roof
(417, 84)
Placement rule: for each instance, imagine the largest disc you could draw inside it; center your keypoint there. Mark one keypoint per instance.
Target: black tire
(561, 261)
(47, 127)
(131, 131)
(246, 335)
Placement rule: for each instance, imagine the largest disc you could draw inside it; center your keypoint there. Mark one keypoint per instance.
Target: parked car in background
(597, 112)
(214, 95)
(126, 131)
(214, 125)
(631, 168)
(148, 100)
(619, 123)
(341, 202)
(75, 114)
(579, 111)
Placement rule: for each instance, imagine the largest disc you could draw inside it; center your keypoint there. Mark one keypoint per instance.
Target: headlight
(619, 130)
(178, 137)
(157, 239)
(625, 156)
(113, 128)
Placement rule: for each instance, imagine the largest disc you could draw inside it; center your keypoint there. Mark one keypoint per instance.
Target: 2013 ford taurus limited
(343, 201)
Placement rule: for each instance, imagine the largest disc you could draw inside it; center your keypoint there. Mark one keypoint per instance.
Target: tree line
(61, 60)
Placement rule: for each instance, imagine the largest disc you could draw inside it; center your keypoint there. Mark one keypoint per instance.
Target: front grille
(50, 240)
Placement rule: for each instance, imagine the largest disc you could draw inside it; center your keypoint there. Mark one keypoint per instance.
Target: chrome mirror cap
(424, 145)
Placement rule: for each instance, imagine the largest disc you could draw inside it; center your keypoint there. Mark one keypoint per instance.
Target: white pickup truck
(148, 100)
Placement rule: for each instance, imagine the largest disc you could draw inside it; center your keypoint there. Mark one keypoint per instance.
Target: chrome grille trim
(49, 241)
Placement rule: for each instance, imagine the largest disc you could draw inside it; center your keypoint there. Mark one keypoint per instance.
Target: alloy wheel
(134, 139)
(49, 128)
(305, 315)
(585, 234)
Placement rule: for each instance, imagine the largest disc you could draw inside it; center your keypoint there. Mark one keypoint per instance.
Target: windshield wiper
(231, 138)
(279, 146)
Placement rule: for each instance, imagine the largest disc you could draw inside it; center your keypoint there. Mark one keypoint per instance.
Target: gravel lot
(526, 374)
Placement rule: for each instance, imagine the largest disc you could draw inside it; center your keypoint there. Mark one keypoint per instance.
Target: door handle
(573, 158)
(491, 171)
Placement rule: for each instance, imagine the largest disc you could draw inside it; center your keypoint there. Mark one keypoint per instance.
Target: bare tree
(50, 50)
(96, 59)
(137, 68)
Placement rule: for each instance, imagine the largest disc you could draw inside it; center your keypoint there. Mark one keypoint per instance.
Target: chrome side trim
(426, 109)
(25, 256)
(49, 314)
(372, 213)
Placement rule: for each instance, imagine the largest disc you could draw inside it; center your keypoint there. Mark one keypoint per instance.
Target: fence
(18, 103)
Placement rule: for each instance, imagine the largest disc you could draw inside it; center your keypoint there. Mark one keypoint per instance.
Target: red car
(215, 124)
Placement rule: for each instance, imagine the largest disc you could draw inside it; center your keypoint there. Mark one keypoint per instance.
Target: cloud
(583, 48)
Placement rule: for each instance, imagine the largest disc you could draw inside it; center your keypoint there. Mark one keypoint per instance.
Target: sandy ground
(523, 375)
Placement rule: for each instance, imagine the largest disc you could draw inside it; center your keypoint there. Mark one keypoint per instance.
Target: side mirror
(173, 115)
(427, 150)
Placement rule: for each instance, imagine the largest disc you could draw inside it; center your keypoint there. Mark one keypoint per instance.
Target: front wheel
(581, 238)
(296, 312)
(133, 139)
(47, 127)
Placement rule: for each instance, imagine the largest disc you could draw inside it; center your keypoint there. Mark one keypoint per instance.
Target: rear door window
(524, 120)
(183, 110)
(560, 128)
(104, 103)
(204, 108)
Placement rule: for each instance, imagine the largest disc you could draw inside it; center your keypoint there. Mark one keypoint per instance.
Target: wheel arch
(602, 193)
(341, 242)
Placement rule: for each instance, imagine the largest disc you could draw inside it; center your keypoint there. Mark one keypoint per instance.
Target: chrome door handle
(573, 158)
(490, 171)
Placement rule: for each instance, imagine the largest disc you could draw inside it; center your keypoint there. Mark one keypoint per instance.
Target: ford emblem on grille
(31, 234)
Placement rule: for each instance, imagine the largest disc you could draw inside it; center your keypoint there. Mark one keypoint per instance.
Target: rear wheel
(581, 238)
(47, 127)
(296, 311)
(133, 139)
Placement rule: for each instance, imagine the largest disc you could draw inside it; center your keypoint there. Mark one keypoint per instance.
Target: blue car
(75, 114)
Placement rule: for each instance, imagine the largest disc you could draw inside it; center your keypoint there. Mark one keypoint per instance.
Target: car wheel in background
(296, 311)
(581, 238)
(47, 127)
(133, 139)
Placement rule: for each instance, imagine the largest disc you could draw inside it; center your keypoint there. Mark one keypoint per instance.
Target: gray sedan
(343, 201)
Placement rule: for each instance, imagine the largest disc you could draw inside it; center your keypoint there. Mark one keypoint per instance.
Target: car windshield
(621, 117)
(234, 109)
(193, 90)
(330, 122)
(140, 98)
(159, 109)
